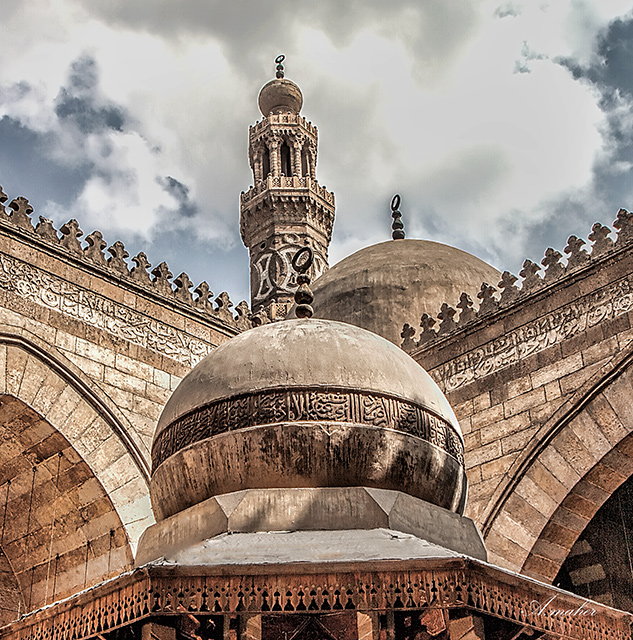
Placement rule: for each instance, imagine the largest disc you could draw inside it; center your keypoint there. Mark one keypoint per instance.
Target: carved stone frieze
(459, 585)
(604, 304)
(298, 405)
(51, 292)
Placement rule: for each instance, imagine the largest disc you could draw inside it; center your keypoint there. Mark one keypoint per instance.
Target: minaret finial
(280, 67)
(301, 263)
(397, 226)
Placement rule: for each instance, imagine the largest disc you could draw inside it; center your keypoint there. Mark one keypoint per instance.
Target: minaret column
(277, 218)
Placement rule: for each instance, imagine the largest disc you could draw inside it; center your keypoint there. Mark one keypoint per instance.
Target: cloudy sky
(506, 126)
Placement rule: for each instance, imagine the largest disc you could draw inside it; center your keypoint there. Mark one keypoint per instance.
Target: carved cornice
(279, 120)
(299, 405)
(534, 286)
(156, 284)
(49, 291)
(292, 185)
(415, 585)
(609, 302)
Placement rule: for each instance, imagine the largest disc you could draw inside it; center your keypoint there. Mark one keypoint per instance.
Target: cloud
(502, 123)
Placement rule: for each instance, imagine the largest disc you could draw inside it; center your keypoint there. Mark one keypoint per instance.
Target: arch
(573, 465)
(59, 530)
(43, 379)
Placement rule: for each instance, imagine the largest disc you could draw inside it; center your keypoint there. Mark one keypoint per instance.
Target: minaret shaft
(286, 208)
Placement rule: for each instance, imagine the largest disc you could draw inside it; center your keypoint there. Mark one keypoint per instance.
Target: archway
(573, 465)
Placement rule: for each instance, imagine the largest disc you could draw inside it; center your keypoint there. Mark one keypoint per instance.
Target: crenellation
(532, 282)
(21, 213)
(624, 225)
(578, 256)
(489, 302)
(553, 267)
(70, 237)
(118, 254)
(183, 284)
(94, 250)
(94, 254)
(139, 271)
(46, 230)
(446, 315)
(601, 241)
(467, 312)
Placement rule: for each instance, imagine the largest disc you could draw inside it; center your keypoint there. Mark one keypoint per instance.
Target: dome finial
(397, 226)
(280, 67)
(301, 262)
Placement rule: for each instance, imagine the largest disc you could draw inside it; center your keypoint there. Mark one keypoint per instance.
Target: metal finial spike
(301, 262)
(280, 67)
(397, 228)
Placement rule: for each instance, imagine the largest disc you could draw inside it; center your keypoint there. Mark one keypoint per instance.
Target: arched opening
(265, 162)
(59, 529)
(600, 564)
(286, 165)
(304, 162)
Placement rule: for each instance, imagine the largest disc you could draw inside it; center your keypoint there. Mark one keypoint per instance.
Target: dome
(385, 285)
(280, 96)
(306, 403)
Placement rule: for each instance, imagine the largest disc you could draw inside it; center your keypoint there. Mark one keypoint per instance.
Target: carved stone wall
(521, 373)
(93, 349)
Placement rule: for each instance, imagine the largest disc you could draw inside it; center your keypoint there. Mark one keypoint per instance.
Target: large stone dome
(306, 403)
(385, 285)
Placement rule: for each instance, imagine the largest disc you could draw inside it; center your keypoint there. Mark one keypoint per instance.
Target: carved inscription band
(296, 405)
(562, 324)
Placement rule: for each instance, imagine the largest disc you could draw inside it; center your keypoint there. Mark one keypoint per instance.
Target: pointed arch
(573, 465)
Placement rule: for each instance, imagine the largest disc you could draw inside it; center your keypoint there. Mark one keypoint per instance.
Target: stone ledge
(310, 509)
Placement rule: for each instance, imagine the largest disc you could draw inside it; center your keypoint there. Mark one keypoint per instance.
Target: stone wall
(90, 350)
(533, 382)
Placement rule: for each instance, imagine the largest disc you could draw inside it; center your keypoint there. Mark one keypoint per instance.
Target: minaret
(286, 209)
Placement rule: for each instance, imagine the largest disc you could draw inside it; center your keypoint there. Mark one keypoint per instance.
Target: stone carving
(94, 250)
(578, 256)
(555, 270)
(600, 237)
(465, 305)
(19, 216)
(117, 259)
(604, 304)
(46, 230)
(183, 284)
(553, 267)
(531, 279)
(139, 270)
(465, 585)
(407, 334)
(70, 234)
(427, 323)
(21, 213)
(488, 302)
(54, 293)
(509, 291)
(624, 225)
(446, 315)
(293, 405)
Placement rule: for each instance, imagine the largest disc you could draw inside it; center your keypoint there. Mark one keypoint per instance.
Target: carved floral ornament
(449, 585)
(555, 270)
(158, 280)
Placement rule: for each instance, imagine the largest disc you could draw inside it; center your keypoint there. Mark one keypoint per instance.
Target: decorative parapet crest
(507, 294)
(157, 282)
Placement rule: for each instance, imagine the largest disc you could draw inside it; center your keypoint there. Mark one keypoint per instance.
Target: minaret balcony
(286, 186)
(281, 119)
